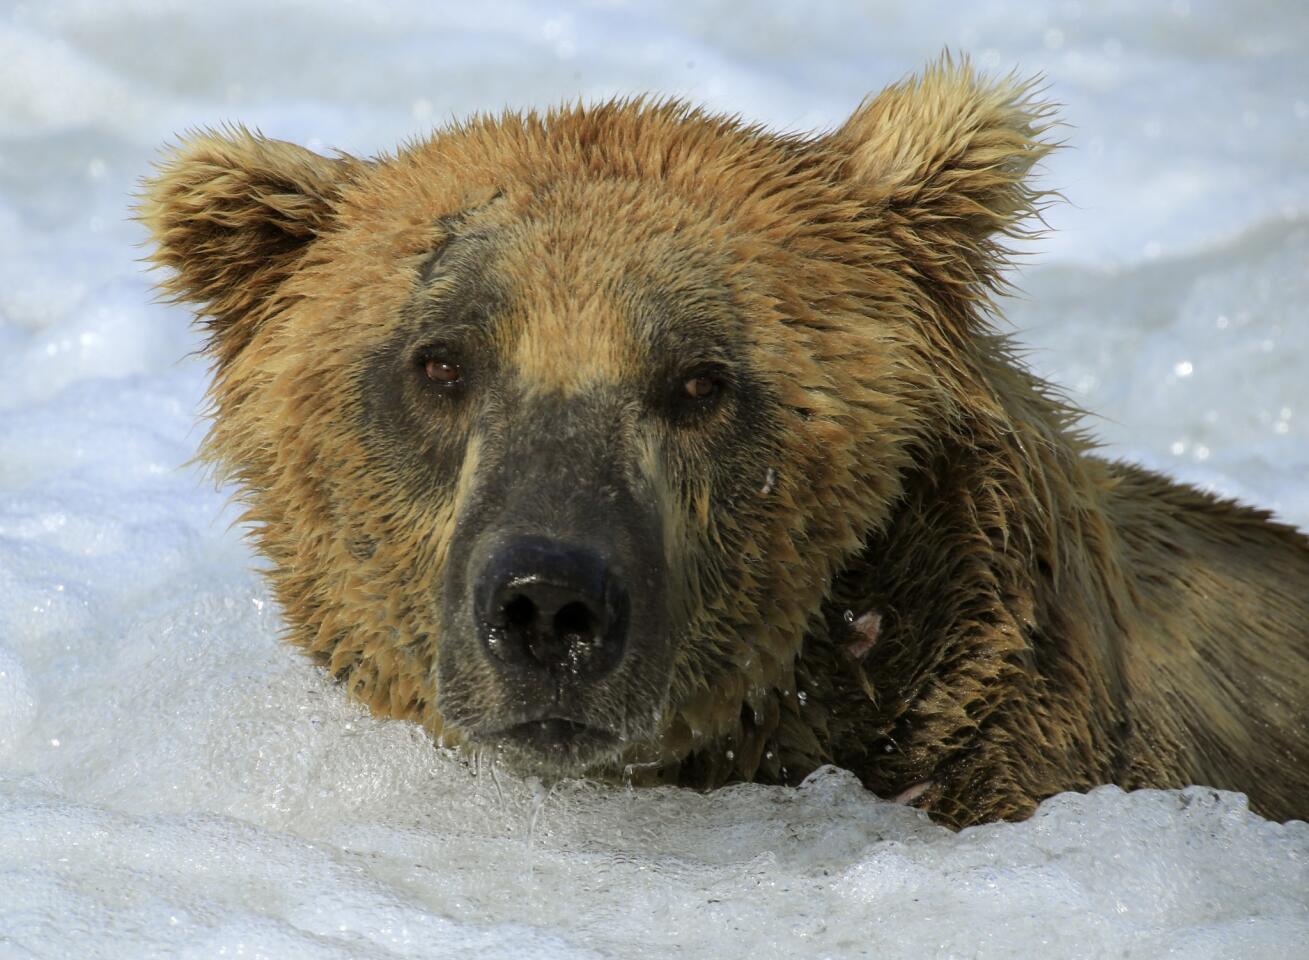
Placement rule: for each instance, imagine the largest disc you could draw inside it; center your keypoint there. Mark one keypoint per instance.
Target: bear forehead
(573, 299)
(648, 170)
(606, 231)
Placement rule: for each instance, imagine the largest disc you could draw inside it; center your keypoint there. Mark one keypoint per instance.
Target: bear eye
(442, 371)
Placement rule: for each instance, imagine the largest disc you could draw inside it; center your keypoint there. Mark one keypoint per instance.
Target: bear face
(612, 385)
(665, 350)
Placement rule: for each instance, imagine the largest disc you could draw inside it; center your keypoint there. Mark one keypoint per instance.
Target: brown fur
(1025, 618)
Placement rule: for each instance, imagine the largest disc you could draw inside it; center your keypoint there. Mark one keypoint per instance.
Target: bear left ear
(948, 153)
(230, 213)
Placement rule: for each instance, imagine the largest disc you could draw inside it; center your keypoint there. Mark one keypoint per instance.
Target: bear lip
(554, 734)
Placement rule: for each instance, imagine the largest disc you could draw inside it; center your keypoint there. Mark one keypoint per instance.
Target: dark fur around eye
(695, 392)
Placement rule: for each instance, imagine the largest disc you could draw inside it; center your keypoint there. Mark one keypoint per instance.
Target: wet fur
(1048, 620)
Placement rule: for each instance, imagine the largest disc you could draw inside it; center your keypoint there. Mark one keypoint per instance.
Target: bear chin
(552, 748)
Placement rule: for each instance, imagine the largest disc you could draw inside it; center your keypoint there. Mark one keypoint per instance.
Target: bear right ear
(230, 213)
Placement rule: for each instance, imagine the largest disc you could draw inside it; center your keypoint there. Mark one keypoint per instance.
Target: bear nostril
(520, 612)
(574, 623)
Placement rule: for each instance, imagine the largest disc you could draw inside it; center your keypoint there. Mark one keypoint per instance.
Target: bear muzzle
(556, 622)
(551, 619)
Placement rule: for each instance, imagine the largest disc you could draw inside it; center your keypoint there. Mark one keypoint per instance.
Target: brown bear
(631, 441)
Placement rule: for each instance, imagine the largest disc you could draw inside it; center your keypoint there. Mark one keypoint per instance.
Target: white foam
(174, 783)
(17, 704)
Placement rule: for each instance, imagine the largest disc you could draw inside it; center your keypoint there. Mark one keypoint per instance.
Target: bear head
(556, 429)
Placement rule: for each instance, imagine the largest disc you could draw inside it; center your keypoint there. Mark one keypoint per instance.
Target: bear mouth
(552, 744)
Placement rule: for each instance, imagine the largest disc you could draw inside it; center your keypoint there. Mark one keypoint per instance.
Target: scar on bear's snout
(770, 481)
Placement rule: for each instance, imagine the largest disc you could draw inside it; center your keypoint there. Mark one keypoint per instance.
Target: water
(173, 782)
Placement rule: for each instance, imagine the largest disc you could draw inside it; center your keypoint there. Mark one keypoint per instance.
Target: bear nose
(549, 605)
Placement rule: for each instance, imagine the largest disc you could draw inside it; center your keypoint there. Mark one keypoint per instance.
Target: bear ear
(947, 154)
(230, 212)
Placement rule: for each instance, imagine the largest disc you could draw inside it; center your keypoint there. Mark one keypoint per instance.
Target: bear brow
(690, 324)
(455, 251)
(456, 287)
